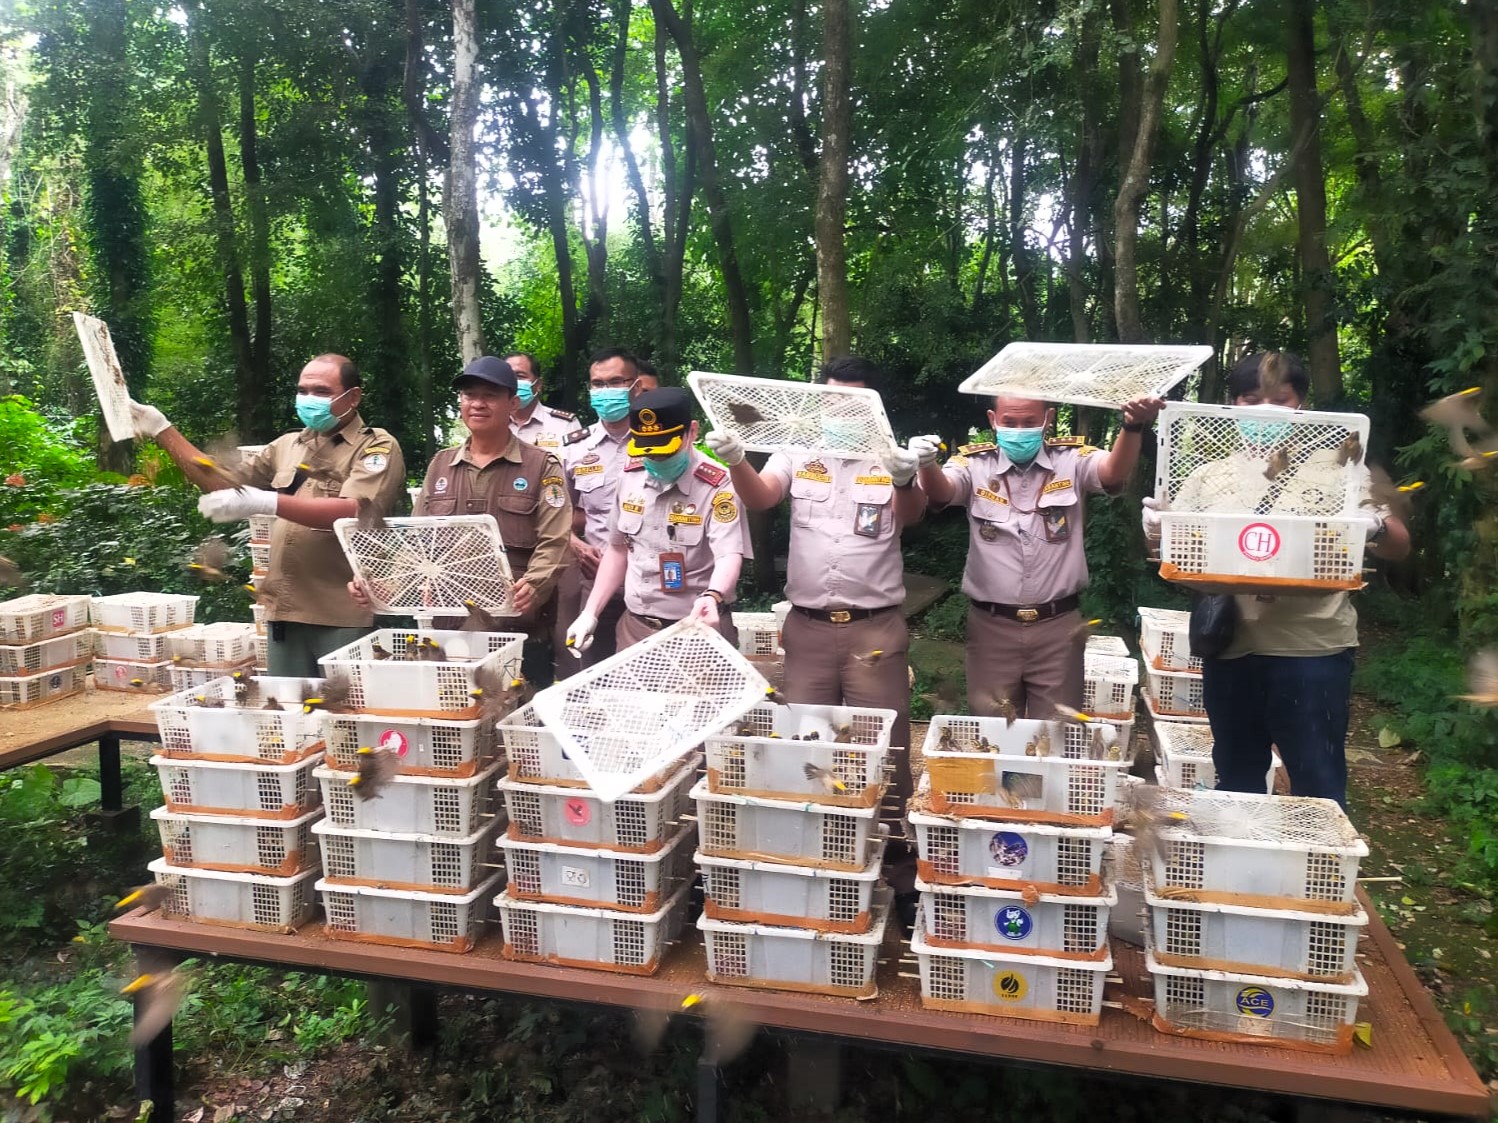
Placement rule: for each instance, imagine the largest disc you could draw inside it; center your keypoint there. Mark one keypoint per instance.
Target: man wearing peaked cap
(677, 535)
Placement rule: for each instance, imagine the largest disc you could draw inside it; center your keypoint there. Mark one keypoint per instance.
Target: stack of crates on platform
(130, 640)
(590, 883)
(1012, 822)
(208, 651)
(1254, 921)
(1174, 690)
(410, 863)
(235, 765)
(759, 642)
(45, 649)
(1183, 757)
(791, 848)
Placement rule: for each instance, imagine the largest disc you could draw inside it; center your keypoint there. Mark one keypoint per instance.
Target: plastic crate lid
(108, 378)
(430, 565)
(484, 887)
(504, 900)
(990, 956)
(1089, 374)
(875, 934)
(775, 414)
(1250, 819)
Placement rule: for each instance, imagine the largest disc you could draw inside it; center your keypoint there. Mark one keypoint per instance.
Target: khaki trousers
(1035, 666)
(632, 629)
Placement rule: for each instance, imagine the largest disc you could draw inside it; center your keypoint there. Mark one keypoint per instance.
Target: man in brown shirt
(308, 479)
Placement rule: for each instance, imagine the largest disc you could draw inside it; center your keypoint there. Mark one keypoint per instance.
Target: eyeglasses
(612, 383)
(473, 397)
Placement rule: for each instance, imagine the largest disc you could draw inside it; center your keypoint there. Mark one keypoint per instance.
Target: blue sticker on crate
(1255, 1002)
(54, 682)
(1013, 922)
(1008, 849)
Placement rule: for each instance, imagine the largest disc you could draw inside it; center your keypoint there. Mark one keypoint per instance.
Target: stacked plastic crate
(1174, 690)
(204, 652)
(590, 883)
(1254, 921)
(260, 532)
(235, 766)
(130, 639)
(791, 848)
(408, 862)
(759, 642)
(1012, 821)
(1110, 677)
(45, 648)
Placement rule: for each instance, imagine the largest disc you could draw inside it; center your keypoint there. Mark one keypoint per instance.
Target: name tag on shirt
(587, 469)
(875, 481)
(1056, 485)
(814, 477)
(684, 519)
(991, 496)
(630, 507)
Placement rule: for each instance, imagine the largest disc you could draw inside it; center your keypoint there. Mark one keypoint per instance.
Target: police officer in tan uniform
(677, 536)
(309, 479)
(1025, 564)
(533, 421)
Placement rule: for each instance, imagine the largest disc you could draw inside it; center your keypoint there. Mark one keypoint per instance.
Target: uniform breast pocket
(283, 479)
(1060, 514)
(686, 533)
(630, 522)
(990, 508)
(517, 520)
(809, 501)
(873, 510)
(441, 505)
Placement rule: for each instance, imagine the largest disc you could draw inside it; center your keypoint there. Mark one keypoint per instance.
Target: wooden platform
(1415, 1065)
(28, 735)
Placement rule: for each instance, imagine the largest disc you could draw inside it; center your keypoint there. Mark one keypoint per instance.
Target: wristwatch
(1133, 427)
(717, 596)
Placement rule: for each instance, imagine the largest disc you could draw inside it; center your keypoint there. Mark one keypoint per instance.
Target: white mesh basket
(262, 653)
(746, 892)
(797, 833)
(1176, 695)
(624, 719)
(259, 790)
(424, 746)
(260, 525)
(403, 686)
(1245, 849)
(37, 616)
(185, 678)
(1262, 554)
(224, 643)
(416, 863)
(761, 753)
(108, 378)
(956, 851)
(1165, 639)
(24, 691)
(1157, 716)
(430, 564)
(1230, 1006)
(592, 878)
(259, 558)
(453, 807)
(239, 900)
(1123, 872)
(774, 415)
(1051, 790)
(1089, 374)
(1002, 920)
(272, 847)
(242, 729)
(403, 918)
(132, 678)
(639, 823)
(799, 959)
(143, 612)
(1184, 757)
(1107, 645)
(132, 647)
(598, 939)
(1026, 737)
(33, 658)
(1108, 686)
(759, 634)
(1032, 987)
(258, 615)
(536, 755)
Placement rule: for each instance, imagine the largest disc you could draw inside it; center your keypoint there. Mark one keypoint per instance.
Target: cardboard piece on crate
(430, 565)
(108, 378)
(777, 415)
(1088, 374)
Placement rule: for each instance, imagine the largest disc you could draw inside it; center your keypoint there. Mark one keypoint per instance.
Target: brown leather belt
(654, 623)
(842, 615)
(1029, 613)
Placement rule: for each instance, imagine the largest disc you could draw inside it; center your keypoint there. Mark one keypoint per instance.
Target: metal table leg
(155, 1077)
(709, 1085)
(111, 785)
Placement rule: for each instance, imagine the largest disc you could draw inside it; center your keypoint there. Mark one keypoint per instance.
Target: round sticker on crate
(59, 618)
(1010, 986)
(1008, 850)
(1255, 1002)
(1258, 542)
(119, 673)
(578, 812)
(1013, 922)
(394, 741)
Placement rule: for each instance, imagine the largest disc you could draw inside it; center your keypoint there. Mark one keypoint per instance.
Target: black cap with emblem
(658, 421)
(488, 369)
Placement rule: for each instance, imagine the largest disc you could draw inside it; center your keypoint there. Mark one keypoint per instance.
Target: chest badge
(375, 462)
(441, 485)
(988, 532)
(591, 458)
(521, 483)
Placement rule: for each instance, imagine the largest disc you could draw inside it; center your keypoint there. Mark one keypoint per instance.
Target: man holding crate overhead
(1026, 568)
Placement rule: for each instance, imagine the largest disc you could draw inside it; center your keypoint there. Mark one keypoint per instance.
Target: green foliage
(38, 449)
(947, 619)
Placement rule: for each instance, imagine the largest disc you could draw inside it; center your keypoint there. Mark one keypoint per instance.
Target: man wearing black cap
(677, 536)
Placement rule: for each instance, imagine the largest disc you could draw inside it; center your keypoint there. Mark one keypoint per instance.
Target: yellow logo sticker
(875, 481)
(1010, 986)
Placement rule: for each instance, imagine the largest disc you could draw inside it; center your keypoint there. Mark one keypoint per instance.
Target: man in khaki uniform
(309, 479)
(534, 422)
(677, 538)
(1026, 568)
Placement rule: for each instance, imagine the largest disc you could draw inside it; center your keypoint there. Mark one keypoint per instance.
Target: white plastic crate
(186, 679)
(762, 754)
(132, 678)
(108, 379)
(759, 634)
(1108, 686)
(417, 863)
(746, 892)
(1232, 1006)
(1036, 790)
(225, 643)
(609, 879)
(25, 691)
(1184, 757)
(1054, 924)
(258, 614)
(424, 746)
(1124, 873)
(44, 655)
(1032, 987)
(259, 558)
(798, 959)
(601, 939)
(797, 833)
(131, 647)
(38, 616)
(262, 652)
(1266, 851)
(639, 823)
(788, 415)
(536, 756)
(259, 790)
(951, 733)
(1165, 639)
(402, 918)
(956, 851)
(627, 717)
(450, 806)
(1263, 554)
(430, 564)
(1157, 718)
(242, 729)
(239, 900)
(143, 612)
(1107, 645)
(272, 847)
(1090, 374)
(1176, 694)
(404, 687)
(261, 526)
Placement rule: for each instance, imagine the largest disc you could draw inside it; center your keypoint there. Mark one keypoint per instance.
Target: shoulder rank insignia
(576, 435)
(1065, 442)
(635, 464)
(561, 413)
(974, 449)
(710, 474)
(1086, 450)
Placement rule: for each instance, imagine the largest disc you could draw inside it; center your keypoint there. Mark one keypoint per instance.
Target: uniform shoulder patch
(711, 475)
(576, 435)
(974, 449)
(635, 464)
(1086, 450)
(957, 461)
(561, 413)
(725, 510)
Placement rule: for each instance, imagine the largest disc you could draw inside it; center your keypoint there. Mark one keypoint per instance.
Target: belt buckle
(1027, 615)
(839, 616)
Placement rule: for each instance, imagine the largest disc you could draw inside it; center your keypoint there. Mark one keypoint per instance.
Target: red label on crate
(393, 740)
(59, 618)
(578, 812)
(119, 672)
(1259, 542)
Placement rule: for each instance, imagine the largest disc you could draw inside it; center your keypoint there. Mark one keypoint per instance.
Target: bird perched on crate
(241, 684)
(149, 686)
(373, 770)
(207, 702)
(210, 562)
(1009, 712)
(1279, 463)
(157, 994)
(272, 704)
(498, 690)
(377, 649)
(831, 782)
(1350, 451)
(332, 693)
(478, 619)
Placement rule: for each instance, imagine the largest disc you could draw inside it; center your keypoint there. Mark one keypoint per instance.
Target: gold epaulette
(974, 449)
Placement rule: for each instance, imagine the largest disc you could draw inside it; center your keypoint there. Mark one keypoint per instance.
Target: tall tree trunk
(678, 188)
(431, 151)
(1083, 180)
(1135, 181)
(460, 203)
(1019, 251)
(249, 159)
(1310, 205)
(648, 247)
(990, 224)
(596, 229)
(832, 189)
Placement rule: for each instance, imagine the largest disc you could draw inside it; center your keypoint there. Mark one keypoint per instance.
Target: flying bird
(478, 619)
(371, 514)
(1350, 451)
(831, 782)
(210, 562)
(1459, 414)
(373, 770)
(157, 996)
(1482, 678)
(152, 895)
(10, 573)
(332, 693)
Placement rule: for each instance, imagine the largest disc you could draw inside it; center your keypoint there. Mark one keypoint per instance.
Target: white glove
(925, 448)
(236, 503)
(148, 420)
(705, 608)
(726, 446)
(580, 633)
(1149, 511)
(1372, 520)
(901, 465)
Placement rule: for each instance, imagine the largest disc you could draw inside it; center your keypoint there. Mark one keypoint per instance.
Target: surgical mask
(610, 404)
(1020, 445)
(665, 469)
(317, 413)
(525, 391)
(1261, 432)
(841, 432)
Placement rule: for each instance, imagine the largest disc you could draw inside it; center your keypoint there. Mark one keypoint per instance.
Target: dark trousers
(1298, 704)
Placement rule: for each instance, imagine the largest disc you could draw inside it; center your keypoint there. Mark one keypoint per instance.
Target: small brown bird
(871, 658)
(842, 734)
(1009, 712)
(1350, 451)
(478, 619)
(1459, 414)
(1020, 786)
(371, 514)
(1144, 818)
(813, 735)
(332, 693)
(1085, 628)
(498, 690)
(149, 686)
(211, 560)
(152, 895)
(241, 683)
(984, 745)
(1067, 713)
(1043, 744)
(1479, 460)
(272, 704)
(1271, 373)
(744, 413)
(773, 695)
(374, 768)
(1096, 748)
(830, 780)
(412, 649)
(1383, 492)
(1279, 463)
(207, 702)
(946, 743)
(1482, 679)
(377, 649)
(157, 994)
(10, 573)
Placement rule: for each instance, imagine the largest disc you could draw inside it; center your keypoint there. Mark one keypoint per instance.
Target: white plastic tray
(439, 921)
(418, 863)
(957, 851)
(1054, 924)
(430, 564)
(271, 847)
(242, 730)
(424, 746)
(44, 655)
(1165, 639)
(773, 830)
(449, 806)
(599, 939)
(1088, 374)
(401, 687)
(239, 900)
(37, 616)
(745, 892)
(762, 753)
(258, 790)
(774, 414)
(25, 691)
(596, 878)
(132, 678)
(1049, 790)
(639, 822)
(143, 612)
